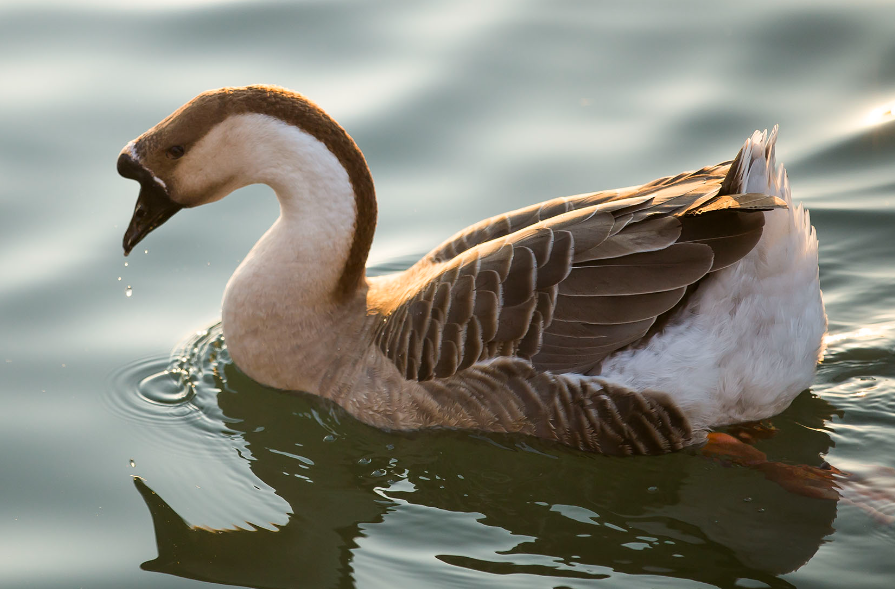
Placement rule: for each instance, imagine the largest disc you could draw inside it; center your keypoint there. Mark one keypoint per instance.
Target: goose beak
(154, 206)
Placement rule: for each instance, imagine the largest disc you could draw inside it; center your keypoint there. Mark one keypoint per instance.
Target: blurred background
(464, 110)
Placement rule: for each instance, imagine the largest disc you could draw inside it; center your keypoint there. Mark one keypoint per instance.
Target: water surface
(464, 110)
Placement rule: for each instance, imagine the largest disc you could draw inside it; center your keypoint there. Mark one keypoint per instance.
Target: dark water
(464, 110)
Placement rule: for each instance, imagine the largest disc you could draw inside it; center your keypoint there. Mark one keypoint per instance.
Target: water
(464, 110)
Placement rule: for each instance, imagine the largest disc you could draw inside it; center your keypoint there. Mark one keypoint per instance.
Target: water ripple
(174, 390)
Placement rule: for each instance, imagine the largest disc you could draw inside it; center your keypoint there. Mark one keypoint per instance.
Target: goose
(628, 321)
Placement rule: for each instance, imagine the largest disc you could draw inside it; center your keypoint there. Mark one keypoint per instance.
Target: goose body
(627, 321)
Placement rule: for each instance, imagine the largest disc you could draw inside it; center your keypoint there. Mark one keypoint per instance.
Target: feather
(648, 235)
(678, 265)
(568, 281)
(616, 309)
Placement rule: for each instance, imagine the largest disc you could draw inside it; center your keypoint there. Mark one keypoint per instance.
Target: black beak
(154, 206)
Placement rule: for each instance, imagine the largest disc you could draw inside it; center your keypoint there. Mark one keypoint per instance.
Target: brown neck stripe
(210, 108)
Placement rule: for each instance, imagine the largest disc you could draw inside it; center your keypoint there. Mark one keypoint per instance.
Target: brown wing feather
(679, 264)
(566, 282)
(510, 395)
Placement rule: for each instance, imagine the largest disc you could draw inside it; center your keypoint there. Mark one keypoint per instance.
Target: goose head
(228, 138)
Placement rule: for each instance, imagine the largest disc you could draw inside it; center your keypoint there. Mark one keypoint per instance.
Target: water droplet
(128, 291)
(652, 489)
(747, 499)
(119, 278)
(378, 473)
(364, 461)
(329, 438)
(125, 263)
(133, 464)
(145, 251)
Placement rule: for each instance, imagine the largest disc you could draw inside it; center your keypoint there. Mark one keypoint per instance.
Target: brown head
(178, 162)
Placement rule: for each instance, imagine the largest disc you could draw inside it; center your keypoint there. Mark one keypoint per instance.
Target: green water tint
(495, 504)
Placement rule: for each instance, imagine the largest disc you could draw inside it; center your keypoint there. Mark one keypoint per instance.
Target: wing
(565, 283)
(703, 182)
(510, 395)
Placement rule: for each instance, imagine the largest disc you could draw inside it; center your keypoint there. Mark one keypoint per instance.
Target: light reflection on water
(881, 114)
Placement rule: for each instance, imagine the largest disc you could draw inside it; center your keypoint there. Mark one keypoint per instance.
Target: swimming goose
(627, 321)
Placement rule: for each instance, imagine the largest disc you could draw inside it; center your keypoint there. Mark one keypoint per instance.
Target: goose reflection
(367, 503)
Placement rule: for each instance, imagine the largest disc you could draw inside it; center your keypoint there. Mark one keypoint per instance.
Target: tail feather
(755, 169)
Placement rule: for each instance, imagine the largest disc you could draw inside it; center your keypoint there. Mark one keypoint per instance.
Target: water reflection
(366, 504)
(880, 114)
(863, 155)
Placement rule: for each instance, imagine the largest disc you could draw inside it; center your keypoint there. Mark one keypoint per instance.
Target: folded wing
(567, 282)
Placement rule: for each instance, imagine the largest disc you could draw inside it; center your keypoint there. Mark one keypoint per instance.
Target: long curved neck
(278, 138)
(283, 300)
(310, 244)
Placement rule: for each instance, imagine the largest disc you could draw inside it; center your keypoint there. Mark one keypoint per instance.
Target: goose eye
(175, 152)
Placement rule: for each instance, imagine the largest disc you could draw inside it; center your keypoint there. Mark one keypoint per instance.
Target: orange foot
(871, 488)
(752, 431)
(726, 446)
(801, 479)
